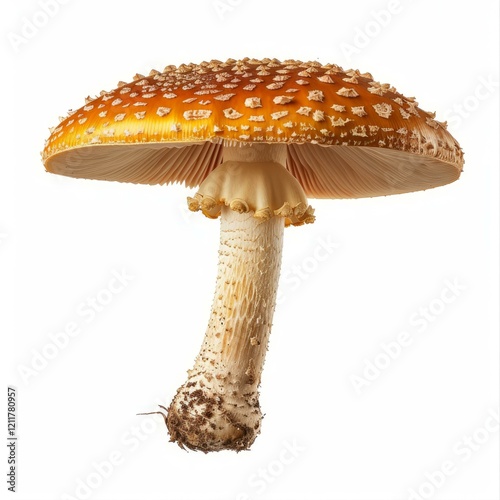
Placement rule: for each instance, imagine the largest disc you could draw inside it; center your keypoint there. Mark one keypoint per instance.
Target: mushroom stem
(218, 407)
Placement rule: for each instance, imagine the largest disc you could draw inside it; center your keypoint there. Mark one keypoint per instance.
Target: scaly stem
(218, 407)
(256, 196)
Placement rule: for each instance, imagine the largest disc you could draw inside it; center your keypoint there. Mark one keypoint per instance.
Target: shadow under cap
(323, 171)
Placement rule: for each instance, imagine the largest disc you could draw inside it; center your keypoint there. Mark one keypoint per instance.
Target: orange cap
(347, 135)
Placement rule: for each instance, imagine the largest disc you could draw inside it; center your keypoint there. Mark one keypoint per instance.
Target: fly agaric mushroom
(258, 137)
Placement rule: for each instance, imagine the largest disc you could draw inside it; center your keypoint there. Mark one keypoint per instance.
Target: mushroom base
(205, 419)
(218, 408)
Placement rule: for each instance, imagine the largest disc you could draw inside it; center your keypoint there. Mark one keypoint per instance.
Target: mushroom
(258, 137)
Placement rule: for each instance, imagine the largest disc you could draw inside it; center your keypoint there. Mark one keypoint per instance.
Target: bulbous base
(200, 420)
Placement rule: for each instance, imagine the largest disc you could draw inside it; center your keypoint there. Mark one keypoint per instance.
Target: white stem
(218, 407)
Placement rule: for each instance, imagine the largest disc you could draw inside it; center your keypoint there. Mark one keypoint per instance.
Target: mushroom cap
(347, 135)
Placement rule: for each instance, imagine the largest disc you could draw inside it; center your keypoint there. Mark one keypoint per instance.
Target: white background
(430, 406)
